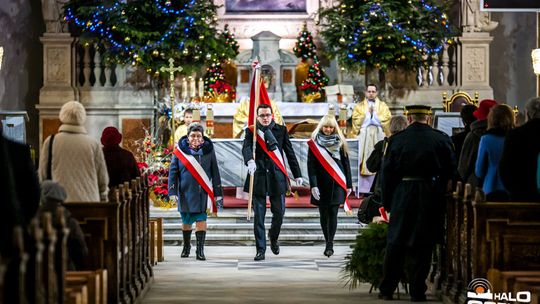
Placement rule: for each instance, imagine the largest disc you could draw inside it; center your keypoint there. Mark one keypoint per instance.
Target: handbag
(49, 160)
(369, 208)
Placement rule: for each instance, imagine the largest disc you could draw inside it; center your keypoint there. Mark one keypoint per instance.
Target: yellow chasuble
(241, 117)
(180, 131)
(359, 114)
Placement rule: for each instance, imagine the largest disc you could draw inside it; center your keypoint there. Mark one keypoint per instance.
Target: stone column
(473, 60)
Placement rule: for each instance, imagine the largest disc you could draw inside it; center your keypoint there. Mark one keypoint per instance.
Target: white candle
(201, 87)
(184, 88)
(192, 90)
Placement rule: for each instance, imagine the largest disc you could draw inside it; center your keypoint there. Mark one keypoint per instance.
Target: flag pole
(256, 86)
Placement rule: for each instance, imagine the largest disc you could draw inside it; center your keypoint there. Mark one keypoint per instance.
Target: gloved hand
(349, 192)
(173, 198)
(219, 202)
(299, 181)
(251, 166)
(315, 192)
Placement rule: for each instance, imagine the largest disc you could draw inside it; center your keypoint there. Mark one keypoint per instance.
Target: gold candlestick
(171, 69)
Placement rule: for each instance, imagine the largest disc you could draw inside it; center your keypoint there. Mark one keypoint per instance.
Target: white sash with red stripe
(275, 155)
(200, 176)
(330, 165)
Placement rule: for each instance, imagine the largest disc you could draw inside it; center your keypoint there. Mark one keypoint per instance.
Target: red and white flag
(330, 166)
(263, 95)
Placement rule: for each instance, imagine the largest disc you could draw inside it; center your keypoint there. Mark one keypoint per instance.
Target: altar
(233, 170)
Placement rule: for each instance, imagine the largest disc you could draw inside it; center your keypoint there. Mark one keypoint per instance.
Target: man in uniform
(414, 181)
(370, 122)
(269, 178)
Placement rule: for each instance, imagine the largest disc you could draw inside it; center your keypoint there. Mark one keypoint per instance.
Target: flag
(263, 97)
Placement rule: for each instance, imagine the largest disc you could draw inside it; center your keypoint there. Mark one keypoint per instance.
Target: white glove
(173, 198)
(315, 192)
(349, 192)
(219, 202)
(251, 166)
(299, 181)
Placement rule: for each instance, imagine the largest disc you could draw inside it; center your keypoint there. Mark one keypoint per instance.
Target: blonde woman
(329, 175)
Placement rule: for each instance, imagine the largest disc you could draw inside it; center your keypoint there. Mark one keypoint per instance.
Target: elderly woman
(194, 184)
(329, 175)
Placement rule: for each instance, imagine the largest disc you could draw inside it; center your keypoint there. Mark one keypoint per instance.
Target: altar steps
(231, 228)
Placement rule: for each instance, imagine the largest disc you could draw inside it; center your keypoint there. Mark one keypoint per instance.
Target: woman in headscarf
(329, 175)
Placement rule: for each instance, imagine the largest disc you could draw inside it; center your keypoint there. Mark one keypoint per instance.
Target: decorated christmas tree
(305, 48)
(147, 33)
(385, 35)
(215, 82)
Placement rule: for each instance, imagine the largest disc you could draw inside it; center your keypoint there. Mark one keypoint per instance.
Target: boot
(187, 243)
(201, 235)
(329, 250)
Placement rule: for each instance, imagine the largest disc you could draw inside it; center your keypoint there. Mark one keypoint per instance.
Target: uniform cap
(417, 109)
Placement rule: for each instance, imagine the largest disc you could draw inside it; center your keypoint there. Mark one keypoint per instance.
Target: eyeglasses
(195, 136)
(264, 115)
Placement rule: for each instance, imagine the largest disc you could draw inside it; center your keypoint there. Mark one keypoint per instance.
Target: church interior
(152, 68)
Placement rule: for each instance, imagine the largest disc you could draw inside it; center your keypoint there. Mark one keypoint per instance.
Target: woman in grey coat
(185, 189)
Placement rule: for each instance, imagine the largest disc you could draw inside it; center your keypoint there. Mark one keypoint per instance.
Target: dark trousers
(328, 215)
(417, 270)
(277, 206)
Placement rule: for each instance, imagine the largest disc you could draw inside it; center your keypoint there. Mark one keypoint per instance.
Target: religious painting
(265, 6)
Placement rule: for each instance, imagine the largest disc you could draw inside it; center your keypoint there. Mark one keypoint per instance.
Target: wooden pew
(100, 224)
(95, 282)
(505, 238)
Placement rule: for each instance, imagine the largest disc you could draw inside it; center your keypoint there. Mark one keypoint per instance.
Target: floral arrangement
(155, 162)
(221, 91)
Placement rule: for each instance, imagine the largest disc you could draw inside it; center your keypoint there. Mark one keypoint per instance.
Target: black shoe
(259, 256)
(386, 297)
(187, 243)
(274, 246)
(421, 298)
(328, 252)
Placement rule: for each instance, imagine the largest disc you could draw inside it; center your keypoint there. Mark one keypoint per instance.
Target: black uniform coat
(269, 180)
(414, 178)
(191, 196)
(517, 167)
(331, 192)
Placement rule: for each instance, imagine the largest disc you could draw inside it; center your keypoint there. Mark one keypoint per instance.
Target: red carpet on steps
(299, 199)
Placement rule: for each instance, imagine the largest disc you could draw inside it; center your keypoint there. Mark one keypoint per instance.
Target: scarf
(332, 143)
(264, 128)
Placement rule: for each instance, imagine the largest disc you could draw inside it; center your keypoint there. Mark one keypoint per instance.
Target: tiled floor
(300, 274)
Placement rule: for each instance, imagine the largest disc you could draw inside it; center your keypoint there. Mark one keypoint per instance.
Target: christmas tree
(316, 78)
(147, 33)
(214, 79)
(385, 35)
(304, 47)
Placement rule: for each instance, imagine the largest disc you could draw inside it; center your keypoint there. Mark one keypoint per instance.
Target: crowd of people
(411, 178)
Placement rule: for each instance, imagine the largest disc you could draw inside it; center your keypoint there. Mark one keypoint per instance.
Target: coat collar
(72, 129)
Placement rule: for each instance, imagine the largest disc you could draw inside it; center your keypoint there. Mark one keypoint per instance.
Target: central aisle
(299, 274)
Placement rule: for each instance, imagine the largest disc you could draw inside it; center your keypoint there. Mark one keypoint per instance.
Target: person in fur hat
(187, 187)
(121, 165)
(74, 159)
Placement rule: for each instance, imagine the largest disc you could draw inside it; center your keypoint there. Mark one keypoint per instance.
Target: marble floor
(299, 274)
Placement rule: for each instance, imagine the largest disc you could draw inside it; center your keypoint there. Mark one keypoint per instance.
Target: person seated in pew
(195, 185)
(53, 196)
(121, 165)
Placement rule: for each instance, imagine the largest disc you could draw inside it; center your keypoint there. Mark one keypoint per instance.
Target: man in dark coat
(414, 179)
(121, 165)
(469, 150)
(520, 153)
(269, 180)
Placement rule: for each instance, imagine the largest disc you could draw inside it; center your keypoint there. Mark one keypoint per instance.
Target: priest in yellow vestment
(370, 122)
(240, 118)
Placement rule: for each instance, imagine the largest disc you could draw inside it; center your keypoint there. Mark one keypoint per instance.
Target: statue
(52, 15)
(474, 20)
